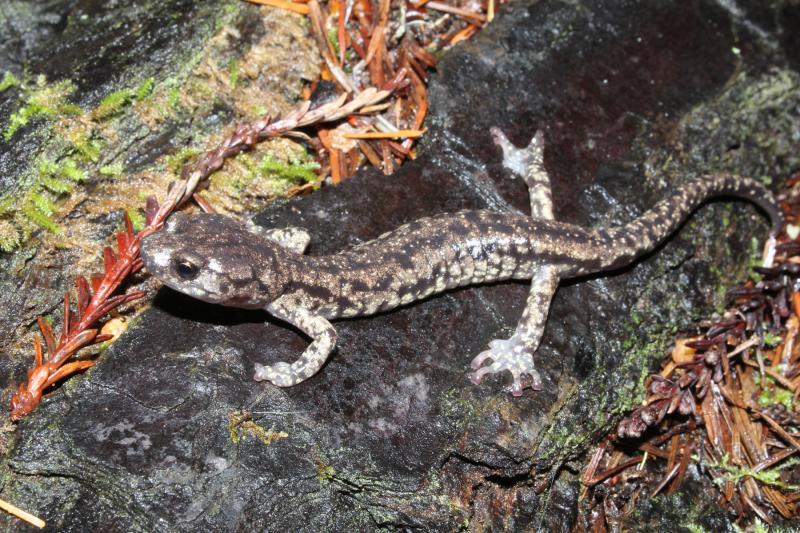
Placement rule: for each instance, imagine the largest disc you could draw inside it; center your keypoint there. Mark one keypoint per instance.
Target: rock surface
(168, 431)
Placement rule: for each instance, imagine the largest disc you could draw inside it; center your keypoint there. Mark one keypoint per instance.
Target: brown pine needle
(441, 6)
(399, 134)
(464, 34)
(22, 515)
(283, 4)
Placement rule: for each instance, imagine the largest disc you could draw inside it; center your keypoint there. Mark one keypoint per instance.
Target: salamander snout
(215, 259)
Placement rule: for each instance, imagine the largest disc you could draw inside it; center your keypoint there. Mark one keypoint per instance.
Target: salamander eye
(186, 269)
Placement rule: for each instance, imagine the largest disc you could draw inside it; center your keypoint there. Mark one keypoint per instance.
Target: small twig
(399, 134)
(597, 478)
(446, 8)
(283, 4)
(664, 481)
(780, 431)
(22, 515)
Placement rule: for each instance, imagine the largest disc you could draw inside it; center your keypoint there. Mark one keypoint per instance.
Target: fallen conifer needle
(22, 515)
(399, 134)
(446, 8)
(283, 4)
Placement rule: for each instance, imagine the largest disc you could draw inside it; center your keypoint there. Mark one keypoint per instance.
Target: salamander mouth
(194, 292)
(240, 301)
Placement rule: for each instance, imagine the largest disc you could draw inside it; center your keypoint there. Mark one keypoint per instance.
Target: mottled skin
(216, 259)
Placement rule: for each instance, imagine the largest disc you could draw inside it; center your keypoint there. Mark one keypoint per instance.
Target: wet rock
(169, 432)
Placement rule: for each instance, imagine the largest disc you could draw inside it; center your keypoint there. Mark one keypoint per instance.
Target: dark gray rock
(634, 100)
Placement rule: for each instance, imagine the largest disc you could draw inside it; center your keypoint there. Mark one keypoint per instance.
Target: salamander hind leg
(528, 163)
(324, 341)
(515, 354)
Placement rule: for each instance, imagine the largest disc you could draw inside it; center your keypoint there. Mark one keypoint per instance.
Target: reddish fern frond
(103, 337)
(150, 210)
(67, 370)
(109, 259)
(122, 242)
(65, 329)
(47, 333)
(75, 343)
(116, 301)
(37, 350)
(84, 295)
(97, 280)
(128, 226)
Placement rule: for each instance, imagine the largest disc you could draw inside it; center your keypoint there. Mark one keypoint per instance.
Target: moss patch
(114, 102)
(40, 99)
(241, 424)
(8, 81)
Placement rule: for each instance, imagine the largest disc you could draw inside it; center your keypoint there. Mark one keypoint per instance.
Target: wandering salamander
(219, 260)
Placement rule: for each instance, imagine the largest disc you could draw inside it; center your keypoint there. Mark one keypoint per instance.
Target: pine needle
(282, 4)
(399, 134)
(22, 515)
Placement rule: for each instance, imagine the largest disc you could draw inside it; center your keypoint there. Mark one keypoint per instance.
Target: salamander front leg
(516, 353)
(294, 239)
(324, 341)
(528, 163)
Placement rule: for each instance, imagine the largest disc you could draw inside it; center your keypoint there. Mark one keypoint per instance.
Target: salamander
(219, 260)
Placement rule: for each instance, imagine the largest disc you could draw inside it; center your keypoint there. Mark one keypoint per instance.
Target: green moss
(42, 203)
(137, 218)
(113, 103)
(333, 37)
(292, 171)
(55, 185)
(73, 146)
(38, 204)
(22, 117)
(229, 10)
(8, 81)
(116, 101)
(241, 424)
(771, 339)
(10, 237)
(66, 168)
(233, 72)
(325, 472)
(40, 219)
(112, 170)
(772, 393)
(172, 97)
(87, 148)
(176, 161)
(6, 203)
(755, 259)
(71, 170)
(145, 88)
(237, 176)
(771, 476)
(757, 527)
(42, 100)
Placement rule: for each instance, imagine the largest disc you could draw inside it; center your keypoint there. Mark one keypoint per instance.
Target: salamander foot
(280, 374)
(513, 355)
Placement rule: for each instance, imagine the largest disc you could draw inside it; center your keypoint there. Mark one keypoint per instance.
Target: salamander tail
(621, 245)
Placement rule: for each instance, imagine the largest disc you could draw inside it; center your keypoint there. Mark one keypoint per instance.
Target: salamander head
(216, 259)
